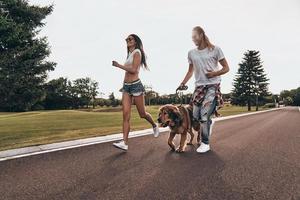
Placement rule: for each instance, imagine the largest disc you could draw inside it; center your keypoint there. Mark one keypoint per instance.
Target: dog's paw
(179, 150)
(171, 149)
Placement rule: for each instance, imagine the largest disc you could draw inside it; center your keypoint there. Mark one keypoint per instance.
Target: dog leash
(181, 88)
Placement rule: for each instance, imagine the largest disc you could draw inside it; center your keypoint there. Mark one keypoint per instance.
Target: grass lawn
(41, 127)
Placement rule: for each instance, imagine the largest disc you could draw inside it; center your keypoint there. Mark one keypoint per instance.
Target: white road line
(47, 148)
(246, 114)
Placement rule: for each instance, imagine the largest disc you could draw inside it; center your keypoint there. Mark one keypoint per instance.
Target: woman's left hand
(210, 74)
(115, 63)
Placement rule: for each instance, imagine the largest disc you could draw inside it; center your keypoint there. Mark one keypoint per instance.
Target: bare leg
(126, 107)
(140, 105)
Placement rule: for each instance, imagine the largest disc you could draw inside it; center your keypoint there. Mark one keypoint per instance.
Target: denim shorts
(134, 88)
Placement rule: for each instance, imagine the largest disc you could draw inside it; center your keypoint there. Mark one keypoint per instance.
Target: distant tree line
(24, 72)
(291, 97)
(62, 93)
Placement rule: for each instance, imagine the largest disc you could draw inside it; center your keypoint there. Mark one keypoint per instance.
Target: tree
(291, 97)
(93, 91)
(62, 93)
(288, 101)
(113, 101)
(58, 94)
(251, 83)
(296, 100)
(23, 68)
(227, 97)
(150, 95)
(85, 90)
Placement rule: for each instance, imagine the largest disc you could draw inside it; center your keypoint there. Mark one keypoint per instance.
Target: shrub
(269, 105)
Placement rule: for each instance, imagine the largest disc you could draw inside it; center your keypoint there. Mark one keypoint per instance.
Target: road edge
(47, 148)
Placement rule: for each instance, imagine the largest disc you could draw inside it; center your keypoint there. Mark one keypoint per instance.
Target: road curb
(46, 148)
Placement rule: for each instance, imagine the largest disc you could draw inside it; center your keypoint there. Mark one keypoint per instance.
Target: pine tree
(251, 82)
(23, 68)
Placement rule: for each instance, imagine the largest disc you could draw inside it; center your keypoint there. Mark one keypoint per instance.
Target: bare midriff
(130, 77)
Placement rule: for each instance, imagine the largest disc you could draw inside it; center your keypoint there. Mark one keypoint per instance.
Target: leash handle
(182, 87)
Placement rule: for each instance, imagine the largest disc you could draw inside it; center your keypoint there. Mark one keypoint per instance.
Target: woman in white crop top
(133, 89)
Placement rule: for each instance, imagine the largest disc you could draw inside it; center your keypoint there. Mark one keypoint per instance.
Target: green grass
(42, 127)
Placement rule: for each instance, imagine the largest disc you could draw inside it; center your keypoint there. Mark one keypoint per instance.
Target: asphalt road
(252, 157)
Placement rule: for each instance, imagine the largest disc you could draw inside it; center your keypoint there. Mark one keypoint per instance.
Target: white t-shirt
(129, 60)
(203, 60)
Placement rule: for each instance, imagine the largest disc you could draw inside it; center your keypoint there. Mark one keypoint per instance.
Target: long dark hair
(139, 45)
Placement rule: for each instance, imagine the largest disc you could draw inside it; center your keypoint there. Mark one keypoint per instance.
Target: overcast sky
(85, 36)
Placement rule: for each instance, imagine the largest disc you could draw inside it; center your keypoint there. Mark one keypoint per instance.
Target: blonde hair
(200, 31)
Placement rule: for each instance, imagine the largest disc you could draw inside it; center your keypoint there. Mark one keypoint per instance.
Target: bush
(269, 105)
(37, 106)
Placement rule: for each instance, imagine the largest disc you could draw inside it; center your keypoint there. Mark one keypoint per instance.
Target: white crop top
(129, 60)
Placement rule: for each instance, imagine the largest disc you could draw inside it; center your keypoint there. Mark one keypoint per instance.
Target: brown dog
(179, 120)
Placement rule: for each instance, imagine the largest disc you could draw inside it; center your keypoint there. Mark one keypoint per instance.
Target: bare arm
(188, 75)
(135, 64)
(224, 70)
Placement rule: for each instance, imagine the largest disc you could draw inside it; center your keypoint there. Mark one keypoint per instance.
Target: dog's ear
(160, 109)
(175, 115)
(163, 109)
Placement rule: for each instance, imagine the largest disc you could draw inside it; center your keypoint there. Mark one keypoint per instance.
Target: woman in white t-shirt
(133, 88)
(207, 98)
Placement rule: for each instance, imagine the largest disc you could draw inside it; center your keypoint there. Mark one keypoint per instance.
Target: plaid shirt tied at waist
(199, 96)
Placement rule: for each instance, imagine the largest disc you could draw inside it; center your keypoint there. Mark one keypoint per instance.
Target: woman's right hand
(115, 63)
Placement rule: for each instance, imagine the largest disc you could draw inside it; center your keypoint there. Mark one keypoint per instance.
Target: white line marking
(245, 114)
(47, 148)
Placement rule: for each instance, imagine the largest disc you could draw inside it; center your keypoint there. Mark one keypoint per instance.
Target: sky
(85, 36)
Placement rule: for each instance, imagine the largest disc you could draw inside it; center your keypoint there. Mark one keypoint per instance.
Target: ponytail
(205, 38)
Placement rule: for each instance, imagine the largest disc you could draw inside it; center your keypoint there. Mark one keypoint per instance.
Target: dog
(180, 121)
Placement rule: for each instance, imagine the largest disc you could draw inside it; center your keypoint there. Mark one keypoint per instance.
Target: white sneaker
(121, 145)
(156, 131)
(203, 148)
